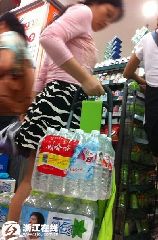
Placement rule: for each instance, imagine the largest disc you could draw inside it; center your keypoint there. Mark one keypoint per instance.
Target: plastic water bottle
(5, 199)
(102, 167)
(63, 185)
(39, 181)
(111, 165)
(68, 206)
(51, 131)
(98, 169)
(90, 209)
(55, 183)
(71, 181)
(108, 163)
(89, 155)
(35, 199)
(51, 202)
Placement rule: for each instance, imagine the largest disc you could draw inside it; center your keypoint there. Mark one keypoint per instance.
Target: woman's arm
(89, 83)
(131, 68)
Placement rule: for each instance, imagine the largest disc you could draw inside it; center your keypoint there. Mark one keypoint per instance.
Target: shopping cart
(105, 207)
(47, 174)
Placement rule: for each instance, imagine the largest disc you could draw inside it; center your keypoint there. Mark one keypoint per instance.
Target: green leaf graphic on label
(78, 228)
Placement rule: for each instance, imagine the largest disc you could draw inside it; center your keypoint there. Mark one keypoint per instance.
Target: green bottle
(126, 230)
(144, 225)
(135, 178)
(122, 200)
(124, 174)
(133, 201)
(138, 225)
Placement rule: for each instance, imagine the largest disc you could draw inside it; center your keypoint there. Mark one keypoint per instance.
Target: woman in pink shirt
(71, 56)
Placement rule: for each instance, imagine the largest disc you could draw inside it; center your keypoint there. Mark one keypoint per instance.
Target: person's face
(103, 15)
(33, 220)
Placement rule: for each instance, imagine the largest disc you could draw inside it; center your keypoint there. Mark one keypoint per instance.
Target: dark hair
(115, 3)
(13, 23)
(39, 216)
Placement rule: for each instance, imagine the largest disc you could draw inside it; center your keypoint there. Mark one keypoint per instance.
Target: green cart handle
(109, 106)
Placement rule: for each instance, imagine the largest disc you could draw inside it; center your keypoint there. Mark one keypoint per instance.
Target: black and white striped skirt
(51, 108)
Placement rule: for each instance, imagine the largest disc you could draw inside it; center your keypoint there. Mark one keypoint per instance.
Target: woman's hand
(92, 87)
(143, 88)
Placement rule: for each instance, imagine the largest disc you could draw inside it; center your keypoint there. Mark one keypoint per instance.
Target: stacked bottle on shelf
(63, 217)
(137, 189)
(75, 164)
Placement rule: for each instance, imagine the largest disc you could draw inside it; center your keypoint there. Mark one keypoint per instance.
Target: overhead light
(150, 8)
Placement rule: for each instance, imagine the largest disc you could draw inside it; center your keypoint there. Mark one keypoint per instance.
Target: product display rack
(117, 68)
(111, 68)
(137, 195)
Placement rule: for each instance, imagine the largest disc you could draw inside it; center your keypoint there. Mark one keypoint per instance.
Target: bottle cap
(79, 131)
(51, 130)
(64, 130)
(104, 135)
(109, 138)
(96, 132)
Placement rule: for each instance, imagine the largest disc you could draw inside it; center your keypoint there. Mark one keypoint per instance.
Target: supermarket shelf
(141, 188)
(116, 114)
(138, 213)
(137, 188)
(139, 236)
(140, 96)
(118, 160)
(117, 101)
(138, 117)
(111, 68)
(141, 141)
(116, 86)
(142, 165)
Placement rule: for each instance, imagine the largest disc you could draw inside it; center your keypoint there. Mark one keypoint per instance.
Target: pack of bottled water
(73, 170)
(74, 164)
(50, 216)
(61, 217)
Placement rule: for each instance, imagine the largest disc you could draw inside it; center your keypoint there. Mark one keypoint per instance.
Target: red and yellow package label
(54, 160)
(58, 161)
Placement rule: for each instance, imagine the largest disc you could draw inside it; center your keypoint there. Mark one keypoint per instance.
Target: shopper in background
(147, 51)
(71, 56)
(16, 71)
